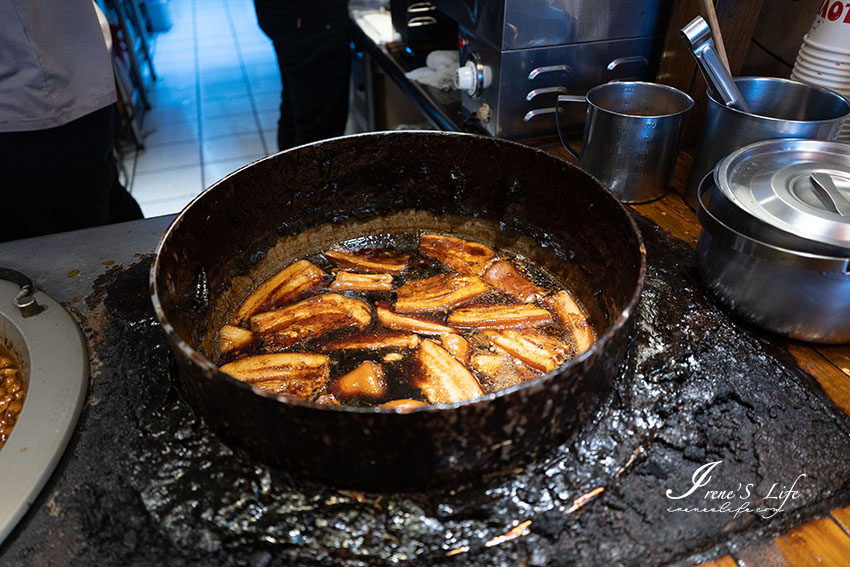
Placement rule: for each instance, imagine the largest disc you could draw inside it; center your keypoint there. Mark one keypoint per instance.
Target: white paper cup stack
(824, 56)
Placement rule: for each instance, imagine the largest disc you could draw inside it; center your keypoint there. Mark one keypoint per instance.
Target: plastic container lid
(799, 187)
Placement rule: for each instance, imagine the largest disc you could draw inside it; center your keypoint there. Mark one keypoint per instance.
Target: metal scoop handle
(720, 82)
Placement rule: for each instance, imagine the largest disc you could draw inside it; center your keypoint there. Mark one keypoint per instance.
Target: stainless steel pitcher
(631, 136)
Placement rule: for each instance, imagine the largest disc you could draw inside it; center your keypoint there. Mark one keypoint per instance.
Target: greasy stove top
(145, 482)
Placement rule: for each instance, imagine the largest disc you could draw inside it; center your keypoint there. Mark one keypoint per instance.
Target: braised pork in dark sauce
(401, 321)
(12, 395)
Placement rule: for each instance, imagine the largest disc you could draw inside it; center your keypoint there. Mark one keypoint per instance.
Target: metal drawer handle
(420, 21)
(826, 187)
(420, 7)
(549, 69)
(545, 90)
(627, 60)
(538, 112)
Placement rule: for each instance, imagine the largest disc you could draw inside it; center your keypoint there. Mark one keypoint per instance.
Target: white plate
(55, 365)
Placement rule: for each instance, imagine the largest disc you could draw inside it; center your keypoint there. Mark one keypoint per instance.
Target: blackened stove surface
(145, 483)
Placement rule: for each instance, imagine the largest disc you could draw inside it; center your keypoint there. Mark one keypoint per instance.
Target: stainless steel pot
(779, 108)
(798, 294)
(790, 193)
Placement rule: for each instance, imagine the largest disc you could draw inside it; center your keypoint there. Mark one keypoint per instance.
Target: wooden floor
(824, 542)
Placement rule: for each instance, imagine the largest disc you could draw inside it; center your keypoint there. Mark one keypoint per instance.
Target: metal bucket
(779, 108)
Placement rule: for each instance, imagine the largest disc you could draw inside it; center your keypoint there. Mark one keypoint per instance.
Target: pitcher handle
(566, 98)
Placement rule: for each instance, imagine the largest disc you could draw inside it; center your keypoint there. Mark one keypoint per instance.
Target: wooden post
(677, 68)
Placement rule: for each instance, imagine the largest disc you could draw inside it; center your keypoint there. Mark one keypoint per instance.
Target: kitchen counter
(144, 482)
(825, 541)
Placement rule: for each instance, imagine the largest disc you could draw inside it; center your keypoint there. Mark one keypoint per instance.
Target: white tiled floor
(215, 104)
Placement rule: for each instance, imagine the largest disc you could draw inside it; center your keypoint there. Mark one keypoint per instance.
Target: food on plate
(422, 319)
(12, 395)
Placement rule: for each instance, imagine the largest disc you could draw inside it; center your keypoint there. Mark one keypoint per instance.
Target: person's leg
(311, 40)
(61, 179)
(277, 19)
(122, 206)
(286, 122)
(315, 69)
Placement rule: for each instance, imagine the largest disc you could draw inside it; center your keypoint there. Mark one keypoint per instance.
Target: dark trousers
(62, 178)
(314, 56)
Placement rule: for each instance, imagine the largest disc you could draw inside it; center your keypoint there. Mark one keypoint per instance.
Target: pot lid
(801, 187)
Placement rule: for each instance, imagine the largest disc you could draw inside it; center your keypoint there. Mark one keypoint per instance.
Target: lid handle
(823, 183)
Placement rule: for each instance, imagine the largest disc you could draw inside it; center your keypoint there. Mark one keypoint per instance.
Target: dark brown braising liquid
(401, 374)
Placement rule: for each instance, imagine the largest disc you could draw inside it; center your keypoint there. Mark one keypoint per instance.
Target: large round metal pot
(800, 295)
(248, 225)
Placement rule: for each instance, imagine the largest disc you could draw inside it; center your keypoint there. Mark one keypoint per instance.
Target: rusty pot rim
(211, 369)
